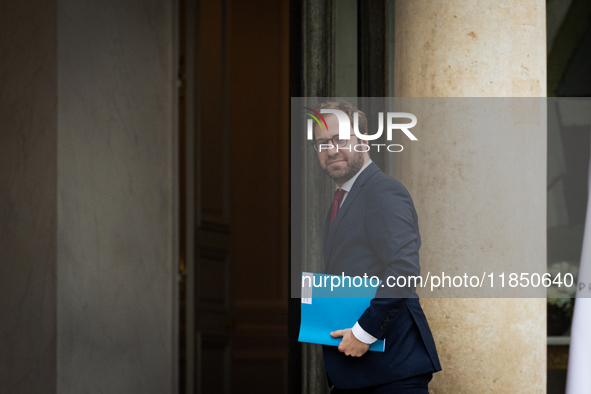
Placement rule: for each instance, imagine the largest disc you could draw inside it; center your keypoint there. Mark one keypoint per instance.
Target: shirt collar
(349, 184)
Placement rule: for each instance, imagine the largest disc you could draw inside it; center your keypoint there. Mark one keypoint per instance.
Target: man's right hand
(350, 345)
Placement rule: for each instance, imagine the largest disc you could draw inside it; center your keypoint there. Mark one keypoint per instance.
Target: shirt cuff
(362, 335)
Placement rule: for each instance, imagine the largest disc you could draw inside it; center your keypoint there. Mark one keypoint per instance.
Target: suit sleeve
(392, 228)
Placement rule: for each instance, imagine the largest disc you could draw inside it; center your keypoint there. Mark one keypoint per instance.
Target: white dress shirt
(358, 332)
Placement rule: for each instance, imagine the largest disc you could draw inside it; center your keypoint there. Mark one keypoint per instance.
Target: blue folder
(325, 310)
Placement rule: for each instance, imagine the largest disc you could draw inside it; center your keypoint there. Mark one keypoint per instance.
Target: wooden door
(233, 118)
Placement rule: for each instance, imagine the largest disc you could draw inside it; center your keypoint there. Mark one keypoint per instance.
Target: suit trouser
(414, 385)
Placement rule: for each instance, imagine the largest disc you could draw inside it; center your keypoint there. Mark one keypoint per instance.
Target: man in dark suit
(372, 228)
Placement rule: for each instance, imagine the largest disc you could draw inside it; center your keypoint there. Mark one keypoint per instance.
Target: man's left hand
(350, 345)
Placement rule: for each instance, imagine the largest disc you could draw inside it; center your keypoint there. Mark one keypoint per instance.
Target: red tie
(336, 203)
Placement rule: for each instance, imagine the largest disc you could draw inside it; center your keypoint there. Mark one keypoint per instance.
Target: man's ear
(364, 142)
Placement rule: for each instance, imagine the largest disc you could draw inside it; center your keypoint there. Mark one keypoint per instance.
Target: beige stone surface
(488, 345)
(474, 205)
(453, 48)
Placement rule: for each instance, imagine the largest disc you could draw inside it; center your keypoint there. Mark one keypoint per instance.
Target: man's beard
(353, 164)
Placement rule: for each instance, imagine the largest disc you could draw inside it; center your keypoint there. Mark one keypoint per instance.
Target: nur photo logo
(345, 127)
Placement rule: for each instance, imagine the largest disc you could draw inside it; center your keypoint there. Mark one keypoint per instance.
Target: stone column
(486, 48)
(116, 291)
(87, 191)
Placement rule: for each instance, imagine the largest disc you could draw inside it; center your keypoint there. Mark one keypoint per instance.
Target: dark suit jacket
(376, 232)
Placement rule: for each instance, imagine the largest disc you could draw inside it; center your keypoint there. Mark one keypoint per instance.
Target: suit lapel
(330, 232)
